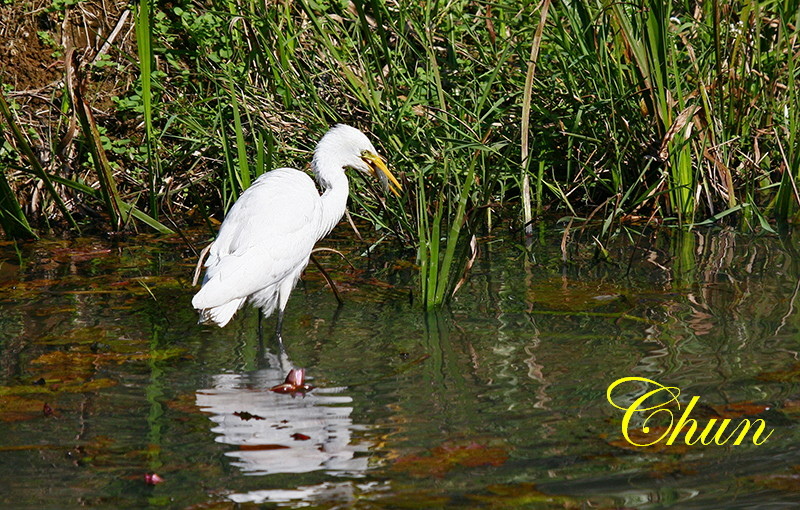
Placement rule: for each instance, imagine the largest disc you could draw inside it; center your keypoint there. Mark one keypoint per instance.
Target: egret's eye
(377, 167)
(369, 157)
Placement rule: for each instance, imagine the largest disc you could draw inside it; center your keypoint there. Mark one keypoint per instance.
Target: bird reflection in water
(274, 432)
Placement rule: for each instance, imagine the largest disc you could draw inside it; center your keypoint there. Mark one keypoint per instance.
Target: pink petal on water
(152, 479)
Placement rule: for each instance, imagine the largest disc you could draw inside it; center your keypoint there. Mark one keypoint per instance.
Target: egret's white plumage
(267, 237)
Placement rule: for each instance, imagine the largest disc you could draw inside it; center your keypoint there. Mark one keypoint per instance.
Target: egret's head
(347, 147)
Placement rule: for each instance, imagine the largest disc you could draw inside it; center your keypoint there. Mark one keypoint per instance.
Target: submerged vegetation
(615, 113)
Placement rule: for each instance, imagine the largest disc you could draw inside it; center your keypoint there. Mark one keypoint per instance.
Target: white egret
(266, 239)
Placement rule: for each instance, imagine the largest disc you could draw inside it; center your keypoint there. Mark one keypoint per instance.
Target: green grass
(602, 111)
(144, 44)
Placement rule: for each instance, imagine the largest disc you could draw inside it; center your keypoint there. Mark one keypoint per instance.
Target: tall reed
(144, 45)
(787, 128)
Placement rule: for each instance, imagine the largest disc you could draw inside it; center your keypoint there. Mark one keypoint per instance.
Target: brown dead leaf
(791, 375)
(739, 409)
(16, 408)
(524, 495)
(450, 455)
(787, 482)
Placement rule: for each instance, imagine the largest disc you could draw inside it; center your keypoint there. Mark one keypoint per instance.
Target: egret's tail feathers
(266, 301)
(222, 314)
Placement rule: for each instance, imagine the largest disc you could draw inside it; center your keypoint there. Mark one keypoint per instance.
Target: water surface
(499, 400)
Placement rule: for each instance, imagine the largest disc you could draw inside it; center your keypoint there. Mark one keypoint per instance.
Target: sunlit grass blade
(145, 218)
(456, 224)
(127, 209)
(144, 43)
(243, 167)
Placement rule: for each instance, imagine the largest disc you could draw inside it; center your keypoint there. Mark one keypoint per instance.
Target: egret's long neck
(336, 188)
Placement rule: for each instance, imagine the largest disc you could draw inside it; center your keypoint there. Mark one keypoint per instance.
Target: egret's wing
(268, 233)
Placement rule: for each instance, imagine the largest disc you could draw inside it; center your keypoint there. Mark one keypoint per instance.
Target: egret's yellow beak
(381, 171)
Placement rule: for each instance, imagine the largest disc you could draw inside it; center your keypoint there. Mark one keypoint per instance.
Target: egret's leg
(262, 360)
(281, 349)
(279, 327)
(284, 291)
(283, 359)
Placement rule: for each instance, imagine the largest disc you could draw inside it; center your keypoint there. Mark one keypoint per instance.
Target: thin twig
(526, 114)
(327, 279)
(336, 252)
(114, 33)
(352, 224)
(473, 247)
(200, 264)
(788, 166)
